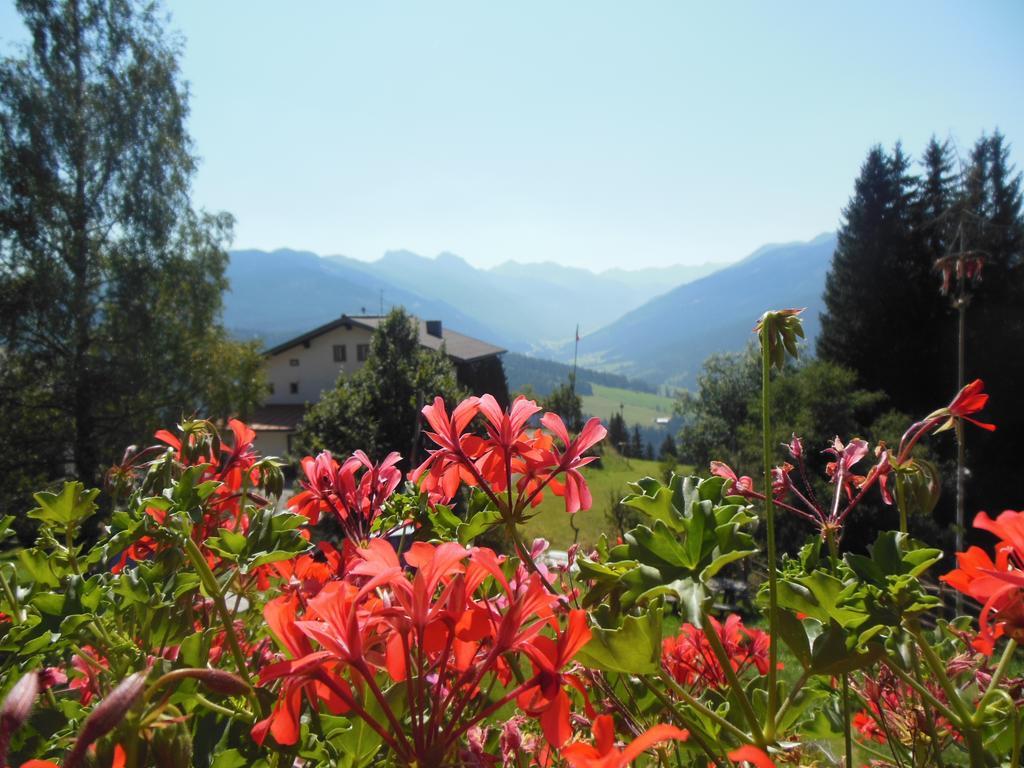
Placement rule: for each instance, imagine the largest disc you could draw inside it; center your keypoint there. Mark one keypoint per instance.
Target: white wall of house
(273, 443)
(301, 373)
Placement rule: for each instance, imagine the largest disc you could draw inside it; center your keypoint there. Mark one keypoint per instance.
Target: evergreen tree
(994, 227)
(618, 433)
(377, 409)
(110, 283)
(668, 448)
(881, 311)
(636, 444)
(936, 198)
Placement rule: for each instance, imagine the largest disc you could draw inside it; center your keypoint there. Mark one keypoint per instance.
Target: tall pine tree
(886, 318)
(880, 296)
(994, 226)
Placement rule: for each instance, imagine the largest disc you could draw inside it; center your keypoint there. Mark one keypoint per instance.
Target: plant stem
(997, 677)
(929, 718)
(210, 582)
(11, 597)
(1015, 755)
(735, 686)
(710, 714)
(965, 720)
(695, 733)
(939, 673)
(230, 713)
(769, 514)
(791, 698)
(961, 345)
(925, 694)
(847, 730)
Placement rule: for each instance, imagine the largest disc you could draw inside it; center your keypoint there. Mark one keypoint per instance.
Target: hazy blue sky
(597, 134)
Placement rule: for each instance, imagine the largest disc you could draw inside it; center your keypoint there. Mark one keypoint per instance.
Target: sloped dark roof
(457, 346)
(276, 418)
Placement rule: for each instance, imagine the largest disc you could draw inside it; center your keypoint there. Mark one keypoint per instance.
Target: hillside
(637, 408)
(543, 376)
(666, 340)
(608, 483)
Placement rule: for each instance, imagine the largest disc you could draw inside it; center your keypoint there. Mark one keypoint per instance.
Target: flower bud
(18, 704)
(16, 709)
(218, 681)
(107, 715)
(171, 745)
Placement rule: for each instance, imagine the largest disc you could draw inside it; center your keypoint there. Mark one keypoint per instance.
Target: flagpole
(575, 354)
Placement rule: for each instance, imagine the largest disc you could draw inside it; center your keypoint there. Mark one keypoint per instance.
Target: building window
(362, 352)
(294, 362)
(294, 387)
(339, 353)
(270, 386)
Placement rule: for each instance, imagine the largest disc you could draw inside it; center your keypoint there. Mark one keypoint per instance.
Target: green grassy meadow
(637, 407)
(607, 484)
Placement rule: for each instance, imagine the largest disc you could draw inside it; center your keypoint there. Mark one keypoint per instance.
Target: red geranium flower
(998, 585)
(690, 659)
(604, 754)
(752, 755)
(356, 499)
(546, 698)
(971, 399)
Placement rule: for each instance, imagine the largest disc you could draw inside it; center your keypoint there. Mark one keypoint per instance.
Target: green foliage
(235, 380)
(815, 399)
(377, 409)
(110, 283)
(727, 385)
(850, 607)
(693, 532)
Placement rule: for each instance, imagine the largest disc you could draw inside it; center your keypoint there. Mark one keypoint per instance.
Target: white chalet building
(298, 371)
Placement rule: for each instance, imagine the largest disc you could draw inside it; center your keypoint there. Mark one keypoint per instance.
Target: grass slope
(607, 484)
(637, 407)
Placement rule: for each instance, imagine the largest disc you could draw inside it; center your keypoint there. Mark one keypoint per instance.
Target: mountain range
(666, 340)
(656, 324)
(527, 308)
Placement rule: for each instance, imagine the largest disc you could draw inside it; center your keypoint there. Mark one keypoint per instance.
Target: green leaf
(794, 635)
(634, 648)
(228, 543)
(478, 524)
(230, 758)
(184, 583)
(65, 509)
(357, 742)
(191, 650)
(821, 596)
(49, 603)
(658, 506)
(832, 656)
(40, 567)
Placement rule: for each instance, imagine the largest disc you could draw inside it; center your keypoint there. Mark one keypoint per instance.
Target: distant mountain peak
(449, 259)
